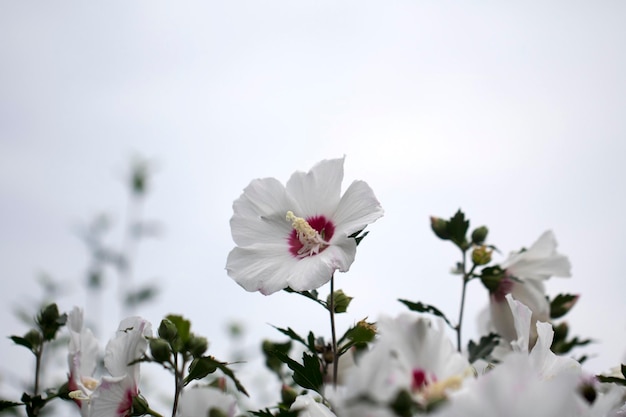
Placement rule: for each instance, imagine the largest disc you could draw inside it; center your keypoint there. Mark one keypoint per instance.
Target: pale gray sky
(514, 112)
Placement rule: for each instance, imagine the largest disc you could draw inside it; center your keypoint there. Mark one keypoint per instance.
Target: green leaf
(281, 413)
(457, 229)
(483, 349)
(562, 304)
(201, 367)
(491, 277)
(358, 236)
(425, 308)
(307, 375)
(340, 301)
(271, 361)
(183, 327)
(611, 379)
(290, 333)
(22, 342)
(4, 404)
(623, 369)
(229, 373)
(141, 295)
(312, 295)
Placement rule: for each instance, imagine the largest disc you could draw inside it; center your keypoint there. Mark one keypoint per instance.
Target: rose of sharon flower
(530, 267)
(412, 356)
(82, 359)
(114, 396)
(297, 235)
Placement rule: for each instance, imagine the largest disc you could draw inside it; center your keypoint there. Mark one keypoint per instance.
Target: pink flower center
(303, 243)
(505, 286)
(126, 405)
(421, 379)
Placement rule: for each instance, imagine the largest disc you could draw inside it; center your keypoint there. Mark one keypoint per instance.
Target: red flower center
(324, 228)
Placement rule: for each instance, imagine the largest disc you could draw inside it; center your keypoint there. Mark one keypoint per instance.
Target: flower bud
(481, 255)
(160, 350)
(440, 227)
(33, 337)
(288, 395)
(479, 235)
(140, 406)
(198, 345)
(167, 330)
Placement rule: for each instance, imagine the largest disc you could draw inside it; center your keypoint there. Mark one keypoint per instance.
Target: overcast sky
(513, 112)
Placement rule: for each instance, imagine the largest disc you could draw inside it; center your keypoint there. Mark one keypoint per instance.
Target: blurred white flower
(308, 406)
(114, 396)
(515, 389)
(199, 401)
(82, 359)
(411, 355)
(297, 235)
(525, 272)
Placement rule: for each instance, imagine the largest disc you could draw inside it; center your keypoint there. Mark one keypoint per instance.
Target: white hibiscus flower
(298, 235)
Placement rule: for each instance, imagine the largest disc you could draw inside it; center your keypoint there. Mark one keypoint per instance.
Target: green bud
(481, 255)
(340, 301)
(479, 235)
(167, 330)
(288, 395)
(33, 337)
(160, 350)
(140, 406)
(216, 412)
(50, 321)
(440, 227)
(198, 345)
(402, 404)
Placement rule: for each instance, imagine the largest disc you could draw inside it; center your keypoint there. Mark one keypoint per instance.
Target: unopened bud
(167, 330)
(160, 350)
(198, 345)
(440, 227)
(139, 406)
(479, 235)
(481, 255)
(33, 337)
(288, 395)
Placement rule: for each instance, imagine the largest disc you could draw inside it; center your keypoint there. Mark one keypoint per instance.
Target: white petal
(128, 345)
(263, 268)
(199, 401)
(521, 321)
(357, 208)
(314, 271)
(540, 261)
(318, 191)
(308, 407)
(113, 398)
(247, 231)
(544, 360)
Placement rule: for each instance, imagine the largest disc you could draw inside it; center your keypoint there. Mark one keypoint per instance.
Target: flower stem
(466, 277)
(331, 309)
(178, 376)
(38, 357)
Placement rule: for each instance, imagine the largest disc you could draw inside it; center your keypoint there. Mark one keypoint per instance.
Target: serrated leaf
(271, 361)
(425, 308)
(281, 413)
(457, 229)
(201, 367)
(340, 301)
(483, 349)
(290, 333)
(308, 374)
(562, 304)
(229, 373)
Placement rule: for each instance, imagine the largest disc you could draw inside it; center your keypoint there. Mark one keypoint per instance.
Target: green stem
(38, 356)
(178, 376)
(331, 309)
(466, 277)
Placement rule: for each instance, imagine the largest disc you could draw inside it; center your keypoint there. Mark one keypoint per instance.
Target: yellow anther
(302, 227)
(89, 383)
(312, 242)
(77, 395)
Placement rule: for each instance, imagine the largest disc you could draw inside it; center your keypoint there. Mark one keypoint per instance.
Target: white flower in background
(114, 396)
(199, 401)
(82, 359)
(411, 355)
(515, 389)
(545, 362)
(525, 272)
(297, 235)
(308, 406)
